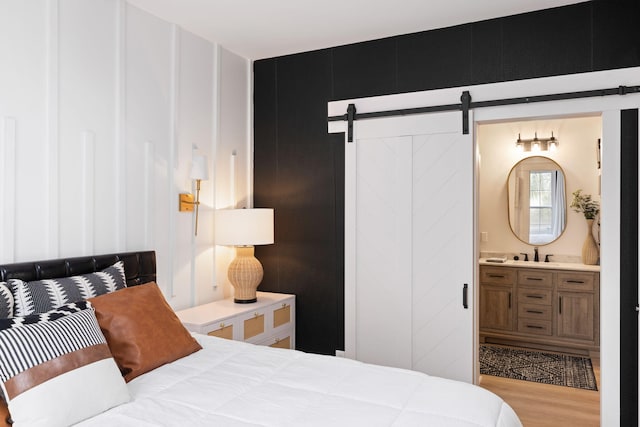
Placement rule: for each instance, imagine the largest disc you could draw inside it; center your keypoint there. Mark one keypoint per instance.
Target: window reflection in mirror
(537, 200)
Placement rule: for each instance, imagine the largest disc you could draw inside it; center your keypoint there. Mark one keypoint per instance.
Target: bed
(145, 369)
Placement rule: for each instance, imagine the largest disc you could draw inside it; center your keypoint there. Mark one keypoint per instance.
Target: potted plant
(584, 204)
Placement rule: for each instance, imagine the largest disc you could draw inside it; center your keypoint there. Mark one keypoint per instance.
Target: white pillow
(56, 368)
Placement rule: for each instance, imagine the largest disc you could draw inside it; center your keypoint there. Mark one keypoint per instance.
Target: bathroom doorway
(530, 248)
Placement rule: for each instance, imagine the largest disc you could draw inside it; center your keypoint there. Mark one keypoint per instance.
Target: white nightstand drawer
(282, 315)
(224, 331)
(283, 339)
(253, 325)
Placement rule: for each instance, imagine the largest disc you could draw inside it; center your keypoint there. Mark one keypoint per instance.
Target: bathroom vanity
(547, 305)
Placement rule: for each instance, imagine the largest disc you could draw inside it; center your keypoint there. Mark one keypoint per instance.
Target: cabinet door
(496, 310)
(575, 315)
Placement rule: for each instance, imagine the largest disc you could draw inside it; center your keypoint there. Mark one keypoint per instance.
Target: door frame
(609, 107)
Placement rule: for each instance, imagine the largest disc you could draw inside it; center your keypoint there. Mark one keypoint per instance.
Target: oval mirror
(536, 198)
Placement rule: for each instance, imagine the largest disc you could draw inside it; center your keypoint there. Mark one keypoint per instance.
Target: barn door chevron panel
(442, 233)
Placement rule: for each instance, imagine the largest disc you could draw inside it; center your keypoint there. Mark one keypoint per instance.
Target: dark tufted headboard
(139, 267)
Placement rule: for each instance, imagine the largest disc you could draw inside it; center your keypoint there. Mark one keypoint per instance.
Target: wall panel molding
(88, 191)
(52, 124)
(120, 125)
(8, 188)
(148, 192)
(215, 126)
(172, 163)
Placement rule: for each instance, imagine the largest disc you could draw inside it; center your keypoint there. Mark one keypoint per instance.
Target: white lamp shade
(199, 168)
(244, 227)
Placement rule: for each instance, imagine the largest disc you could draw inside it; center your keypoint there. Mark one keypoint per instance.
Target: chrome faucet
(535, 254)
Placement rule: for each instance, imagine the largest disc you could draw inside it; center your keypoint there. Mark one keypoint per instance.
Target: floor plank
(544, 405)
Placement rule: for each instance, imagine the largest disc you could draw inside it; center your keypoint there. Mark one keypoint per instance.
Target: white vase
(589, 247)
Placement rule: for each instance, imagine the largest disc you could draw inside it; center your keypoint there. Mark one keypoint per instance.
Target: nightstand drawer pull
(222, 325)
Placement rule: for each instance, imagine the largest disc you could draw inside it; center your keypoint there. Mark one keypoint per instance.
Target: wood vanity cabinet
(541, 307)
(497, 289)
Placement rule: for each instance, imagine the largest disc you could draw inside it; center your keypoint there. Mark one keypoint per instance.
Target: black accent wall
(299, 167)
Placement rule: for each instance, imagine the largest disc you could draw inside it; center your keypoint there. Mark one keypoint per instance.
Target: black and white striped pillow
(56, 368)
(40, 296)
(6, 301)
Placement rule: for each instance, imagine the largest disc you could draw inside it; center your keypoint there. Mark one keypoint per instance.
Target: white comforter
(231, 383)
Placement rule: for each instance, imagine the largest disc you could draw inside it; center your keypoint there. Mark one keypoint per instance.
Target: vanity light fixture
(537, 144)
(552, 143)
(199, 171)
(520, 144)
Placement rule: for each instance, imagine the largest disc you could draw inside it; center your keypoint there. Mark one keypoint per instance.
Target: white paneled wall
(102, 106)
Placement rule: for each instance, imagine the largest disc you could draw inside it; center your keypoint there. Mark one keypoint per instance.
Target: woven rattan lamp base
(245, 274)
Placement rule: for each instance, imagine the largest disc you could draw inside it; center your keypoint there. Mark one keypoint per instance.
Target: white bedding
(231, 383)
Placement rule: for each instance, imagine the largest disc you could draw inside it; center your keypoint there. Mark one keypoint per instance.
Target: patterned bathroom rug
(537, 366)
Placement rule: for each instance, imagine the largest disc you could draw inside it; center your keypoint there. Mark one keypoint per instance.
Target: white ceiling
(258, 29)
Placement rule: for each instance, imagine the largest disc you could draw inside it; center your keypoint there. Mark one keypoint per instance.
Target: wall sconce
(244, 228)
(537, 144)
(198, 172)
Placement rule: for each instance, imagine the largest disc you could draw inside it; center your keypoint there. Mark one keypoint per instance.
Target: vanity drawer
(535, 278)
(537, 327)
(535, 296)
(534, 311)
(576, 281)
(497, 275)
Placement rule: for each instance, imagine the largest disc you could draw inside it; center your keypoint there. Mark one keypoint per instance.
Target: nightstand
(269, 321)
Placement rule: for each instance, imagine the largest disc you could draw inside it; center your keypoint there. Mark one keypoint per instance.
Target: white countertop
(546, 265)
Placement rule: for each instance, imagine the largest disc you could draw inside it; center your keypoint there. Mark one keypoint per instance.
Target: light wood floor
(542, 405)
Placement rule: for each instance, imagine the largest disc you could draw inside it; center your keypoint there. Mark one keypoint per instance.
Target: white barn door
(409, 233)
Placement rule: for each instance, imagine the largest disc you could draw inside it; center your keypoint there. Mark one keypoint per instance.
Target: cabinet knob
(284, 304)
(222, 324)
(255, 314)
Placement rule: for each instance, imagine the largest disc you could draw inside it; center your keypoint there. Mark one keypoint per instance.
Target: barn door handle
(465, 291)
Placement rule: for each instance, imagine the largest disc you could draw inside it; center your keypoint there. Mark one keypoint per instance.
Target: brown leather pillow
(142, 330)
(5, 416)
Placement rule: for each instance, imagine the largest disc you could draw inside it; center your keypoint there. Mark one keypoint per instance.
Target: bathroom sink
(533, 263)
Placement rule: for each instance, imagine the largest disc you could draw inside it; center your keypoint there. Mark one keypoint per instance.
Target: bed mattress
(231, 383)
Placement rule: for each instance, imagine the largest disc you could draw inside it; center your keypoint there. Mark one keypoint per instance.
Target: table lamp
(244, 228)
